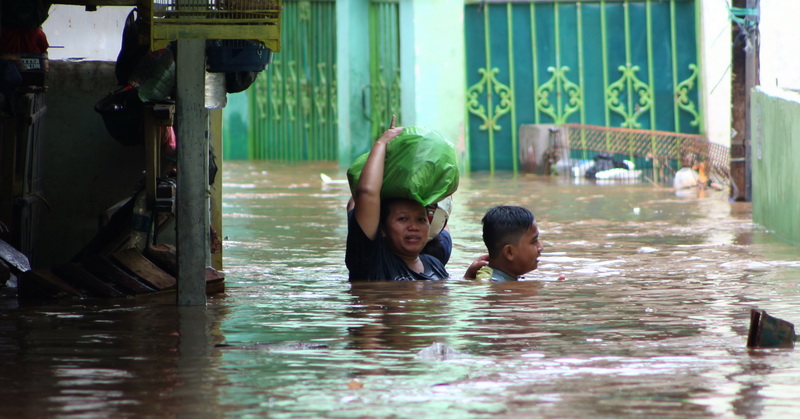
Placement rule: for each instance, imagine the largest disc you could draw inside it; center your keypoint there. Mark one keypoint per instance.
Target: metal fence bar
(604, 45)
(535, 60)
(651, 80)
(674, 150)
(581, 70)
(628, 62)
(514, 130)
(673, 37)
(489, 107)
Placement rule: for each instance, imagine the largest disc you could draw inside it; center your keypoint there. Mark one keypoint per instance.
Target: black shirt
(371, 260)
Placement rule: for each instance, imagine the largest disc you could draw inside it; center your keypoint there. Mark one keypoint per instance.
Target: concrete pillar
(192, 217)
(352, 73)
(432, 62)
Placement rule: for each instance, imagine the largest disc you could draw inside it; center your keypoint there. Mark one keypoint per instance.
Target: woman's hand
(389, 135)
(479, 262)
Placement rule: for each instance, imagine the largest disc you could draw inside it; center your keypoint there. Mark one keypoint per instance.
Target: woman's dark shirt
(371, 260)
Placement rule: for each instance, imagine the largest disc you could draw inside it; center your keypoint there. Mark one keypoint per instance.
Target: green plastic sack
(420, 165)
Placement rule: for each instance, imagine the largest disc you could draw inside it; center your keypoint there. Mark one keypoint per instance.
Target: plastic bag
(154, 75)
(604, 161)
(420, 165)
(131, 51)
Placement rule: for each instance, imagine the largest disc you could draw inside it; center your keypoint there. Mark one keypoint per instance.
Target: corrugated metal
(384, 88)
(292, 104)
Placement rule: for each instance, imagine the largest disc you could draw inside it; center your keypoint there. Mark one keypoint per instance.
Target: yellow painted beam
(165, 33)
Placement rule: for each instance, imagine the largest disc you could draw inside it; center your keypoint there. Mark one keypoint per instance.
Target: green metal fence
(292, 104)
(625, 63)
(384, 63)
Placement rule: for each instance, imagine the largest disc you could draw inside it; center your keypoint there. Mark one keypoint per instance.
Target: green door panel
(383, 93)
(292, 104)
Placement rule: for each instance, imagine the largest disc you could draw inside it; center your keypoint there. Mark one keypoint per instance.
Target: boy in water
(512, 239)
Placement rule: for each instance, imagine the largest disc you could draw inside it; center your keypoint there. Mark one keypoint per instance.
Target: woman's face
(406, 228)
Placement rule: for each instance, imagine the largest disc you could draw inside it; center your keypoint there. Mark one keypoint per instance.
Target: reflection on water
(652, 319)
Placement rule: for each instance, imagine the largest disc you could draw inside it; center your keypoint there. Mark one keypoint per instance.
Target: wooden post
(216, 189)
(192, 181)
(156, 116)
(152, 143)
(744, 78)
(751, 81)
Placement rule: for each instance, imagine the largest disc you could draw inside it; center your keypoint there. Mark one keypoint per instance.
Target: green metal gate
(292, 104)
(384, 65)
(615, 63)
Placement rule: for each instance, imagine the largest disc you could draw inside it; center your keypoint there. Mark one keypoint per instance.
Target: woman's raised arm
(368, 192)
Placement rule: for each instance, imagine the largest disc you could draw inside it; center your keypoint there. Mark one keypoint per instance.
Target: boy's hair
(503, 225)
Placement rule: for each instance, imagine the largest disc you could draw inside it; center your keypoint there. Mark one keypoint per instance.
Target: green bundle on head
(420, 165)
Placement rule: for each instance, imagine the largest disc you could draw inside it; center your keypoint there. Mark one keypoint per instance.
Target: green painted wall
(432, 65)
(432, 73)
(431, 81)
(234, 127)
(774, 153)
(352, 65)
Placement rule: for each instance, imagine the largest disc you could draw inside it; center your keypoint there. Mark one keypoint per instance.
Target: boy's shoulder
(495, 275)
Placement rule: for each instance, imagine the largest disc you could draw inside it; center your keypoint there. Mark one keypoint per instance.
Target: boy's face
(527, 251)
(407, 228)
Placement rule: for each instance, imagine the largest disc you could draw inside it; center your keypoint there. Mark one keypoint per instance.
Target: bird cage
(256, 20)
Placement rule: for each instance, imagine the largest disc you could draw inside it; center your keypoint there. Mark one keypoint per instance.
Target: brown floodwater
(651, 320)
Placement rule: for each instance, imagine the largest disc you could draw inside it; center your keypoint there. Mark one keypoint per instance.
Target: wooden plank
(80, 278)
(215, 284)
(14, 257)
(152, 151)
(43, 283)
(145, 270)
(213, 275)
(215, 281)
(115, 234)
(215, 288)
(164, 256)
(103, 267)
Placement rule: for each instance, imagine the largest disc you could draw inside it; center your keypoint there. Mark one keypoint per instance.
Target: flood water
(651, 320)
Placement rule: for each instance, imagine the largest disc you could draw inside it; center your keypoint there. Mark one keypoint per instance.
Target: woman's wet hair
(503, 225)
(386, 207)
